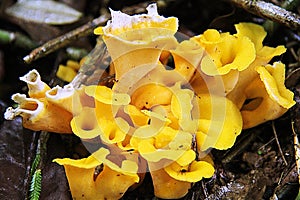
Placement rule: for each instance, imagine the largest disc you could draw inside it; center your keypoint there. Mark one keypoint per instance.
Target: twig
(278, 144)
(65, 39)
(263, 146)
(294, 54)
(269, 11)
(297, 154)
(240, 146)
(274, 197)
(271, 26)
(204, 189)
(82, 31)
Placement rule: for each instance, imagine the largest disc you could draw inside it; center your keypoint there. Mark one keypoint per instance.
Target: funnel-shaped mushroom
(69, 98)
(107, 102)
(257, 34)
(37, 88)
(187, 57)
(162, 116)
(138, 40)
(39, 114)
(165, 186)
(193, 172)
(264, 54)
(150, 95)
(86, 125)
(109, 184)
(104, 117)
(226, 51)
(165, 145)
(269, 98)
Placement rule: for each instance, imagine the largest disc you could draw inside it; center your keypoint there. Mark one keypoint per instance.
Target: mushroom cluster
(171, 103)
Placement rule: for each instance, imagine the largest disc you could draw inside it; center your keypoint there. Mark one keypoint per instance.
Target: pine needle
(36, 185)
(278, 144)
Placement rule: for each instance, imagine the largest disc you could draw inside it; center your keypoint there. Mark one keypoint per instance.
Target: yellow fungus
(192, 173)
(39, 114)
(66, 73)
(158, 117)
(226, 52)
(109, 184)
(37, 88)
(270, 98)
(165, 186)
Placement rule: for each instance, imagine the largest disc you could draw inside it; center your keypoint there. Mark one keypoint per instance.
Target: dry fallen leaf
(49, 12)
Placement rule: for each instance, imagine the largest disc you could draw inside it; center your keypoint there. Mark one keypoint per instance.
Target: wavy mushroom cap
(109, 184)
(39, 114)
(130, 38)
(257, 34)
(219, 124)
(37, 88)
(269, 98)
(225, 52)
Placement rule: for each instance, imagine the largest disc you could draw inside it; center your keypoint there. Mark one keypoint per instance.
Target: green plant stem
(16, 39)
(37, 166)
(35, 163)
(6, 37)
(36, 185)
(43, 140)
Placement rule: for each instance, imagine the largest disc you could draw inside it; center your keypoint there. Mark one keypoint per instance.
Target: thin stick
(263, 146)
(240, 146)
(270, 26)
(297, 149)
(65, 39)
(277, 141)
(82, 31)
(269, 11)
(204, 189)
(297, 154)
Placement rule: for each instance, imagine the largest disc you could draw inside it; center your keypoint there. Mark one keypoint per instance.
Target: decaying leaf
(49, 12)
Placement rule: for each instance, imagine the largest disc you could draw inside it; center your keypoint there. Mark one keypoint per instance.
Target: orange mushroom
(39, 114)
(37, 88)
(269, 98)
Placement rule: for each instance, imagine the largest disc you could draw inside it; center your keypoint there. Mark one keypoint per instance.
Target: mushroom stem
(165, 186)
